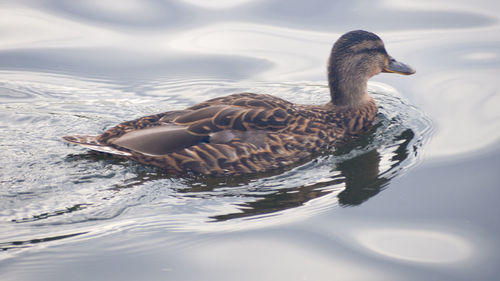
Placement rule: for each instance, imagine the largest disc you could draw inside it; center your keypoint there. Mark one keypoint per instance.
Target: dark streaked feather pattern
(237, 134)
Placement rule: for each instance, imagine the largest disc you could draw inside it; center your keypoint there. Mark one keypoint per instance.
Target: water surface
(415, 199)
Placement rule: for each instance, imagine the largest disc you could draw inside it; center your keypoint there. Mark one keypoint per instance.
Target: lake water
(415, 199)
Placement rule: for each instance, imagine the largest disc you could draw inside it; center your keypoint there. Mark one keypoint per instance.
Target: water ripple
(51, 186)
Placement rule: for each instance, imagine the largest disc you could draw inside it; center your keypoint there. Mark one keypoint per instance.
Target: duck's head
(356, 57)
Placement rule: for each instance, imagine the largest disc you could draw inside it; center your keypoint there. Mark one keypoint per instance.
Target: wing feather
(173, 131)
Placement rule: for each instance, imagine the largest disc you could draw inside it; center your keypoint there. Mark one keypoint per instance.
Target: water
(413, 200)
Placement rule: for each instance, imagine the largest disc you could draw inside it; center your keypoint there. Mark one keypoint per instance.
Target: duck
(246, 133)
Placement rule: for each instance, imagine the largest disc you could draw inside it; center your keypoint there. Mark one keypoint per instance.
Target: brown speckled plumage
(248, 133)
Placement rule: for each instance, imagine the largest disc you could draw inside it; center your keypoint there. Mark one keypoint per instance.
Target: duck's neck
(347, 88)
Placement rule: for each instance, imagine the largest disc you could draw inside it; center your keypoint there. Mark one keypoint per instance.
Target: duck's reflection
(363, 178)
(360, 178)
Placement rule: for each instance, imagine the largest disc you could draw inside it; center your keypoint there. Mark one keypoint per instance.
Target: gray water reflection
(344, 15)
(99, 63)
(148, 14)
(128, 40)
(317, 14)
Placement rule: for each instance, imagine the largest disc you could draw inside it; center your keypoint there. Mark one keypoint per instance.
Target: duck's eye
(372, 51)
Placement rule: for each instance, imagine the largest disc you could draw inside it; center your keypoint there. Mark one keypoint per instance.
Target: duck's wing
(148, 129)
(247, 100)
(209, 122)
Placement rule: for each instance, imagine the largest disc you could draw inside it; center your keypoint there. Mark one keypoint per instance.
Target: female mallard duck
(247, 133)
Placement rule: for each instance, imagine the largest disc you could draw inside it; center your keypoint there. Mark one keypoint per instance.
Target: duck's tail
(92, 143)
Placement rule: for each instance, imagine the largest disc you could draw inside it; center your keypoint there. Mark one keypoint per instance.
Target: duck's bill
(395, 66)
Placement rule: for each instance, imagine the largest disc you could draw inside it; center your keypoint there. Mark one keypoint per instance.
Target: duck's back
(237, 134)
